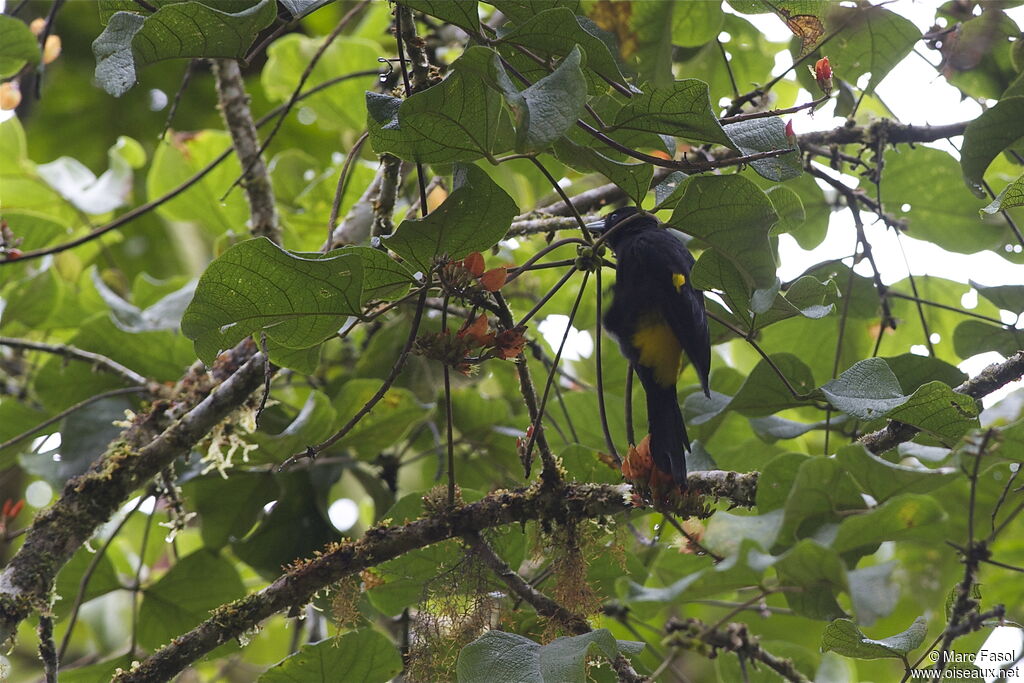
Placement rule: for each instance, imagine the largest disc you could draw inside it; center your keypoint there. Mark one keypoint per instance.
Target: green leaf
(867, 390)
(459, 12)
(695, 23)
(633, 178)
(472, 218)
(766, 135)
(778, 476)
(807, 297)
(296, 527)
(102, 580)
(360, 656)
(682, 109)
(459, 119)
(938, 410)
(300, 8)
(789, 206)
(817, 575)
(764, 392)
(186, 29)
(988, 135)
(914, 371)
(750, 62)
(714, 271)
(184, 596)
(228, 508)
(843, 636)
(972, 337)
(1006, 297)
(33, 299)
(649, 43)
(177, 161)
(338, 108)
(948, 215)
(384, 278)
(555, 32)
(17, 46)
(500, 656)
(744, 568)
(883, 479)
(1011, 196)
(727, 532)
(89, 194)
(983, 54)
(869, 40)
(549, 107)
(314, 422)
(521, 10)
(730, 213)
(873, 592)
(906, 516)
(257, 286)
(822, 492)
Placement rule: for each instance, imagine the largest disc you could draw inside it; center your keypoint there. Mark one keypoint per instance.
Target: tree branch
(234, 107)
(733, 638)
(90, 499)
(299, 584)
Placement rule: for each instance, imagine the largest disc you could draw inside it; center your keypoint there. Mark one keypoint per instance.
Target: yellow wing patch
(659, 349)
(678, 280)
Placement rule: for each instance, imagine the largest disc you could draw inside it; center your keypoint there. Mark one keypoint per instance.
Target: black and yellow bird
(655, 316)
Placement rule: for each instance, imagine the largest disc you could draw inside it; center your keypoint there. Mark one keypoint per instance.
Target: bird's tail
(669, 440)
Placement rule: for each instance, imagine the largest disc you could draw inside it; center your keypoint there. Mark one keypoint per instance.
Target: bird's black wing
(681, 305)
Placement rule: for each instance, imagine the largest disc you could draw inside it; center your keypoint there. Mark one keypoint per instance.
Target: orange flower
(474, 263)
(494, 279)
(822, 72)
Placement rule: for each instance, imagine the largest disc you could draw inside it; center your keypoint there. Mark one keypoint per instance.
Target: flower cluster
(474, 343)
(466, 278)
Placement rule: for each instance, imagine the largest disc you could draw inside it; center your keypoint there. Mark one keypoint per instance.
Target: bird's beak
(596, 226)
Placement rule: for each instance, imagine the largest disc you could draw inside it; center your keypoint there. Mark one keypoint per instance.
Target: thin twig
(339, 191)
(47, 648)
(68, 351)
(771, 112)
(551, 475)
(67, 411)
(396, 369)
(83, 583)
(609, 442)
(314, 60)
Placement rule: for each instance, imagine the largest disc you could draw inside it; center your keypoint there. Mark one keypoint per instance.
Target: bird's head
(622, 223)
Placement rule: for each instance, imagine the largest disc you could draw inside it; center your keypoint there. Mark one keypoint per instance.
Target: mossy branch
(92, 498)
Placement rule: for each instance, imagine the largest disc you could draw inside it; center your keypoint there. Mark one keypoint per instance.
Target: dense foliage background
(419, 477)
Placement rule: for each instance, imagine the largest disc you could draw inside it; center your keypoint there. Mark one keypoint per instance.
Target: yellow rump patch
(678, 280)
(659, 349)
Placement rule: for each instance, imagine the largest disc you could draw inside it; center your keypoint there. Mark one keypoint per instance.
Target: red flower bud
(822, 72)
